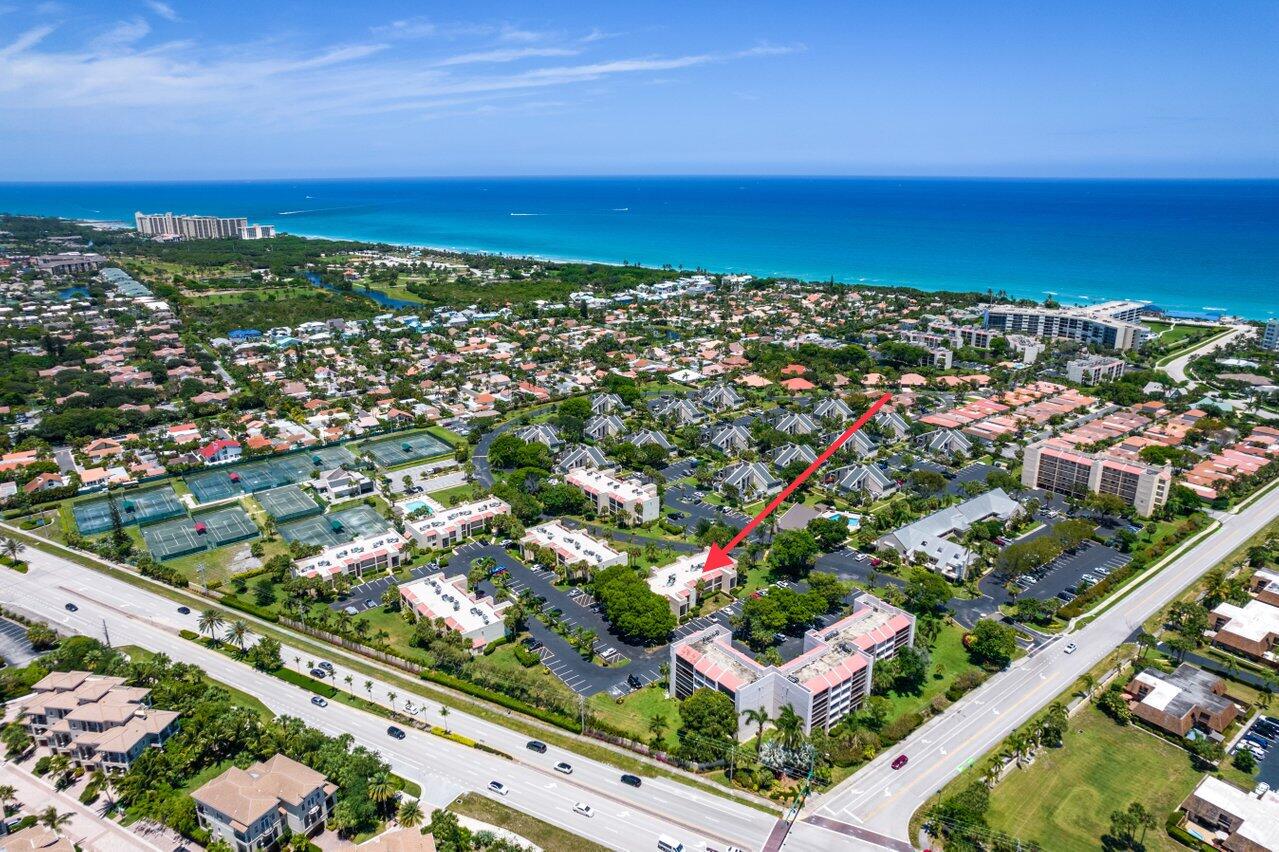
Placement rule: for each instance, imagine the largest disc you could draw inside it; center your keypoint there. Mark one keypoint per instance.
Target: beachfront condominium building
(1270, 335)
(477, 619)
(200, 227)
(1110, 325)
(254, 809)
(1054, 465)
(451, 526)
(1094, 369)
(684, 581)
(629, 498)
(828, 680)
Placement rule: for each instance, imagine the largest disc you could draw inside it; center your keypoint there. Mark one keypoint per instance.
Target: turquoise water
(1185, 245)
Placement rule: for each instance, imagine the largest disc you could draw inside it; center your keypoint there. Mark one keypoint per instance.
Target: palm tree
(657, 727)
(297, 661)
(791, 728)
(237, 633)
(391, 695)
(444, 715)
(12, 547)
(410, 815)
(52, 820)
(757, 716)
(8, 793)
(381, 789)
(348, 680)
(368, 687)
(211, 622)
(1088, 682)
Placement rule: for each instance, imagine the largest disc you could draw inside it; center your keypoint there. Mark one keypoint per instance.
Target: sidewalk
(88, 828)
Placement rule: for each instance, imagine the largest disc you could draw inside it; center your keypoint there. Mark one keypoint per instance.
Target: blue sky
(175, 89)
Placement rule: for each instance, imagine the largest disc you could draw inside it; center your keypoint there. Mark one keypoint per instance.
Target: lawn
(949, 659)
(636, 712)
(445, 496)
(243, 699)
(1065, 799)
(531, 828)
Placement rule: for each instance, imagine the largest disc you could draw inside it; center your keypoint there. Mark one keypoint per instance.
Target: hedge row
(236, 602)
(504, 700)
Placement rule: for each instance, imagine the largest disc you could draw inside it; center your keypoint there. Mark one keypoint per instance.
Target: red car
(900, 761)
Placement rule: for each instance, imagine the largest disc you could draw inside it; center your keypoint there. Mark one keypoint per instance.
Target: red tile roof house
(220, 451)
(44, 482)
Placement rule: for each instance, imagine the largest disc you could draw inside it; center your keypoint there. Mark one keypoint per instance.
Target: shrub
(901, 727)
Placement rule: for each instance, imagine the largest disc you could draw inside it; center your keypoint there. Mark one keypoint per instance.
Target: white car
(566, 768)
(1072, 648)
(499, 788)
(584, 809)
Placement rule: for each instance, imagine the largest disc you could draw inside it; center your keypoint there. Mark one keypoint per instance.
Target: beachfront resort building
(1270, 335)
(1110, 325)
(634, 500)
(679, 581)
(253, 809)
(477, 619)
(1055, 465)
(829, 679)
(200, 227)
(453, 525)
(384, 550)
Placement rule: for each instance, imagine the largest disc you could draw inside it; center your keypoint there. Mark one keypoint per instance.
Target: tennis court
(408, 448)
(336, 527)
(287, 503)
(181, 536)
(252, 477)
(135, 507)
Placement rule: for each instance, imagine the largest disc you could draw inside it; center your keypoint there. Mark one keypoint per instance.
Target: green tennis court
(336, 527)
(181, 536)
(133, 507)
(223, 482)
(407, 448)
(287, 503)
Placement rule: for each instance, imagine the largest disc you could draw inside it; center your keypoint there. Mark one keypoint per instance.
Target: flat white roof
(671, 580)
(572, 545)
(435, 597)
(1260, 815)
(1255, 621)
(598, 481)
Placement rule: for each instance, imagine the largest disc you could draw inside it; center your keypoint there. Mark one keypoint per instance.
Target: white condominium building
(451, 526)
(678, 581)
(200, 227)
(478, 619)
(636, 500)
(384, 550)
(1112, 325)
(570, 546)
(829, 680)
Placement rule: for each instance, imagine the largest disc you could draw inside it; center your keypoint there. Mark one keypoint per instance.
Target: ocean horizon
(1188, 245)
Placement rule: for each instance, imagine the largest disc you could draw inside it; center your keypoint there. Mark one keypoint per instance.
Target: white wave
(527, 214)
(621, 209)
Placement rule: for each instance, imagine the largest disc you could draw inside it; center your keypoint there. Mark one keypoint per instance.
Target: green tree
(793, 553)
(828, 532)
(926, 591)
(211, 622)
(992, 643)
(708, 726)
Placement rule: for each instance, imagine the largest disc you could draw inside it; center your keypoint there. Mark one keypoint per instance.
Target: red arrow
(718, 556)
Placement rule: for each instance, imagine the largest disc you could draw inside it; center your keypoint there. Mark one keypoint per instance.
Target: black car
(634, 682)
(184, 610)
(537, 746)
(72, 608)
(328, 667)
(632, 780)
(398, 733)
(319, 674)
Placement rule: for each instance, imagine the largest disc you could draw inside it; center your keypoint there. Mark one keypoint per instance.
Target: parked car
(537, 746)
(584, 809)
(350, 610)
(634, 682)
(319, 674)
(398, 733)
(499, 788)
(369, 603)
(318, 701)
(566, 768)
(900, 761)
(632, 780)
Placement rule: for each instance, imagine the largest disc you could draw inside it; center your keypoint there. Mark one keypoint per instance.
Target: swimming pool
(414, 506)
(853, 521)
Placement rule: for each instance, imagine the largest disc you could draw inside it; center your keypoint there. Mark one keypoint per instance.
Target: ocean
(1183, 245)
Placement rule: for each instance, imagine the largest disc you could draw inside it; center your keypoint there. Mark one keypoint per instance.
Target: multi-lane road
(625, 818)
(881, 800)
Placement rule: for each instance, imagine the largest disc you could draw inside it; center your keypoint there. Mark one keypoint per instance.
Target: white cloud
(123, 34)
(24, 42)
(164, 10)
(513, 54)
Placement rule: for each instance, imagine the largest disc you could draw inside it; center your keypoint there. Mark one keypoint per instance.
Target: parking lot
(1261, 739)
(14, 647)
(1091, 563)
(424, 475)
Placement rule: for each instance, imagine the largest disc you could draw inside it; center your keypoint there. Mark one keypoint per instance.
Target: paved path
(1176, 368)
(88, 828)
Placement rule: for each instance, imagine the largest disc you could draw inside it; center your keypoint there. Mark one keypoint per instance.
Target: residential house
(342, 484)
(603, 426)
(1187, 698)
(932, 538)
(254, 809)
(751, 480)
(1251, 630)
(1236, 820)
